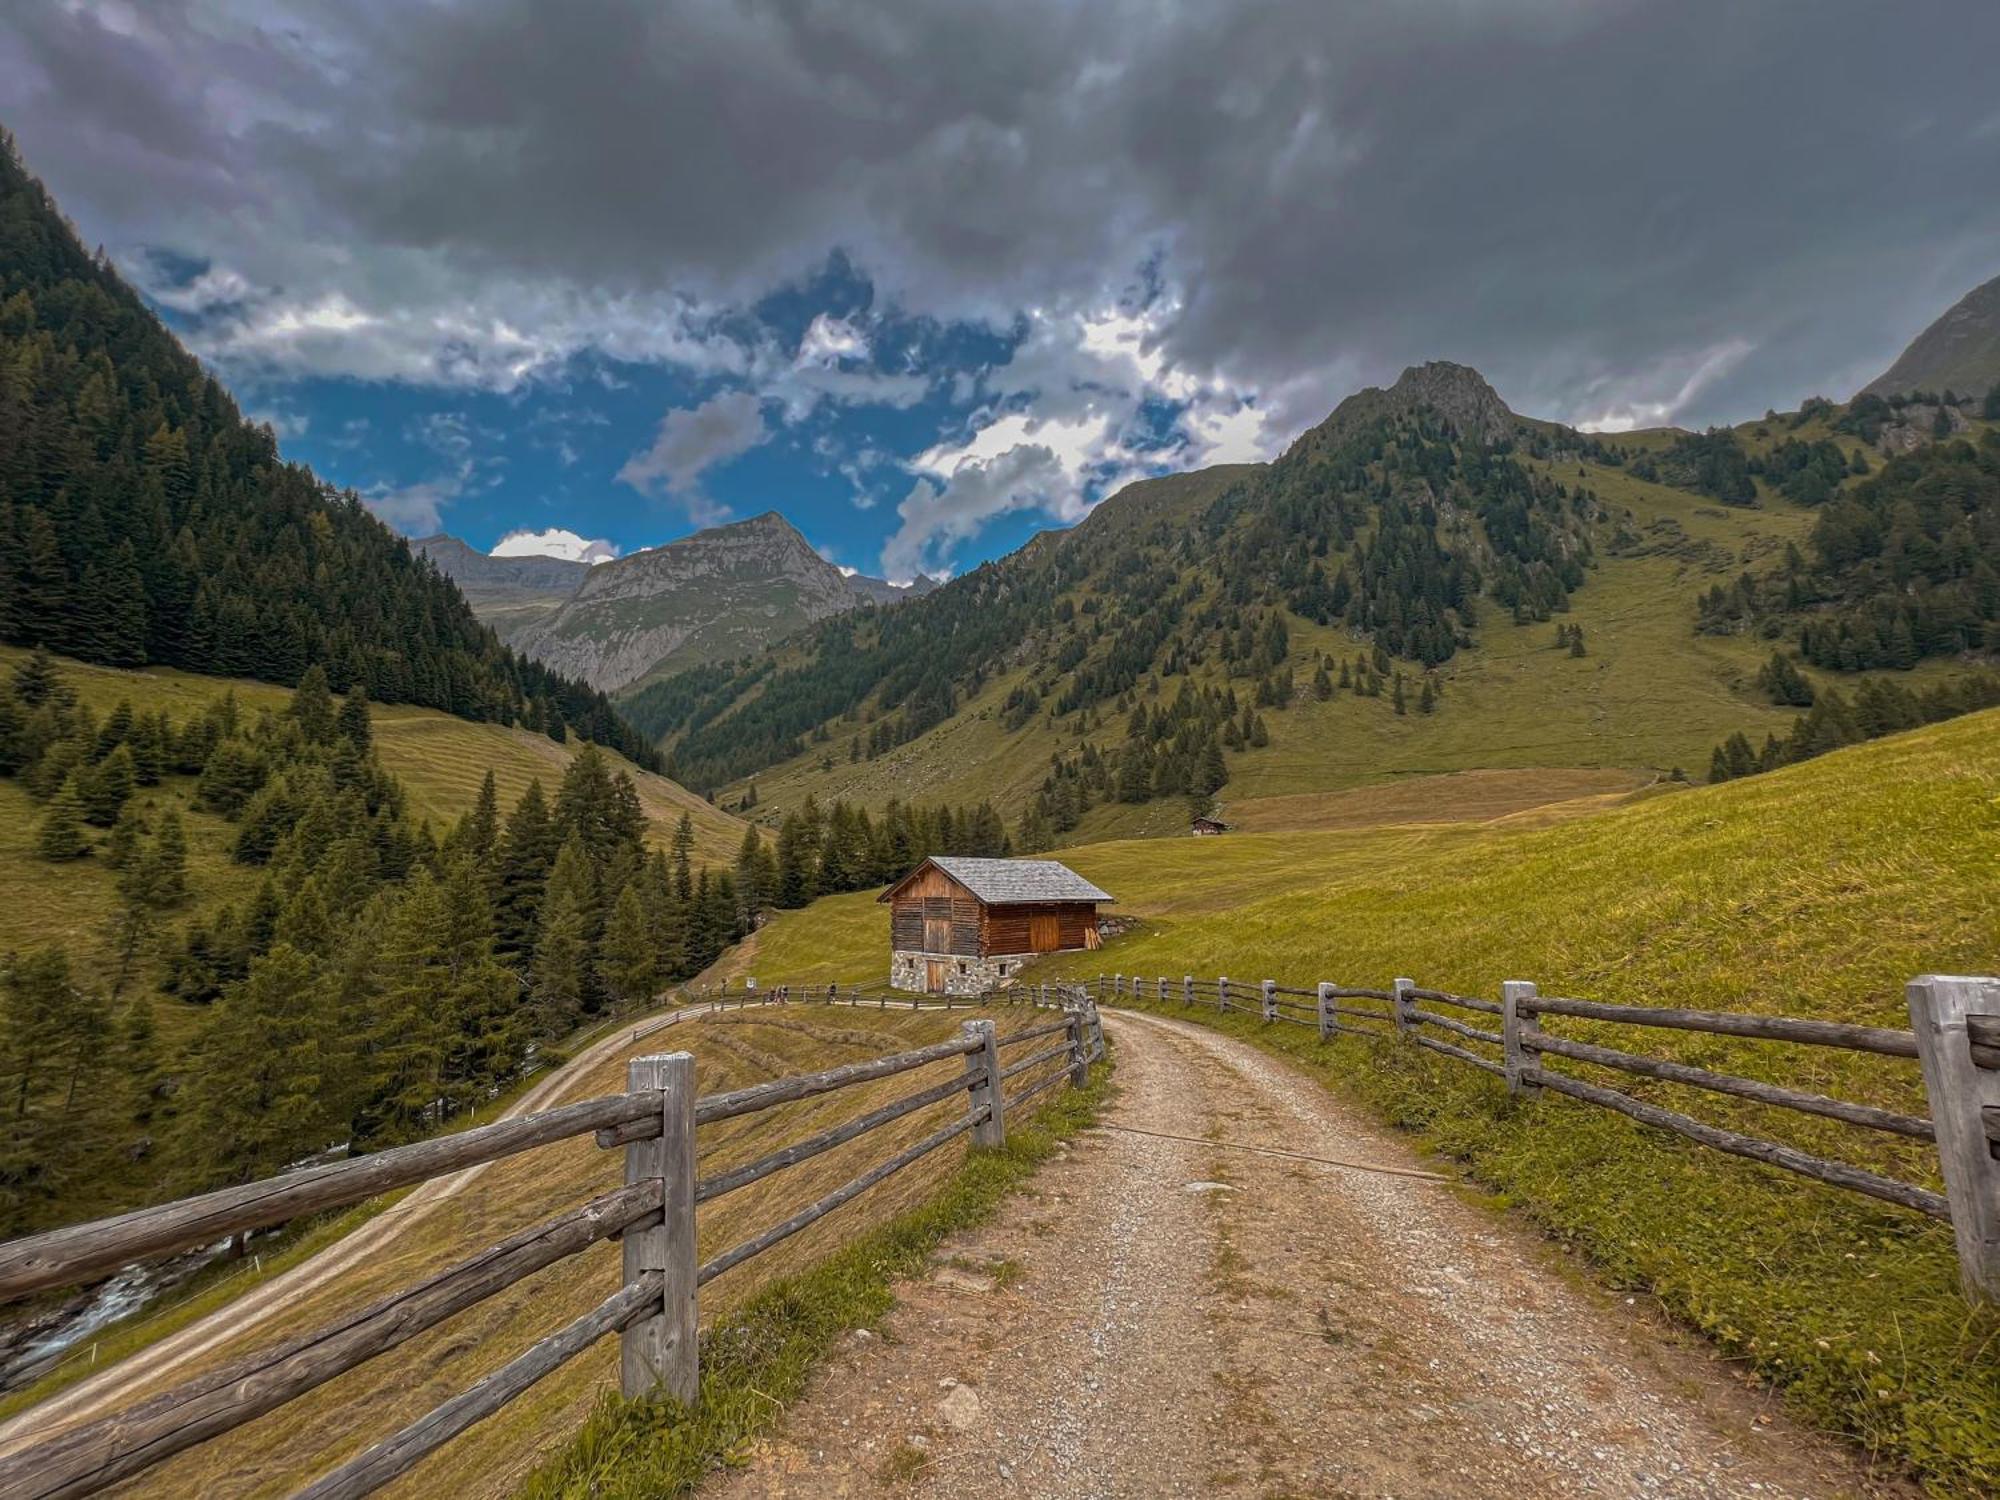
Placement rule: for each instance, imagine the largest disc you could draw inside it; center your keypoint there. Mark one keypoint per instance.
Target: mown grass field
(277, 1454)
(1818, 890)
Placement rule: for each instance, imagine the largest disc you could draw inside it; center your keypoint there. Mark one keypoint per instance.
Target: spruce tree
(106, 787)
(259, 1097)
(61, 836)
(312, 706)
(626, 963)
(562, 966)
(353, 723)
(526, 854)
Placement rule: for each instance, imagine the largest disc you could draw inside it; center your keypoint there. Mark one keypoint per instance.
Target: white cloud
(936, 517)
(413, 509)
(555, 542)
(1622, 403)
(692, 440)
(830, 340)
(1074, 415)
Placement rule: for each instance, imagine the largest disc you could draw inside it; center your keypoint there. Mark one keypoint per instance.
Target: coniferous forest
(144, 521)
(377, 981)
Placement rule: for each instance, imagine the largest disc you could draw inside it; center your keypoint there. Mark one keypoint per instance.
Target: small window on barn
(961, 966)
(1003, 971)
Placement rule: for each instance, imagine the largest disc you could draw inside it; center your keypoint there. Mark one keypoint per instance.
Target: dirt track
(1164, 1318)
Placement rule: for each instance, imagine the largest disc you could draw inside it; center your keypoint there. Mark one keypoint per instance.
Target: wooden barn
(961, 926)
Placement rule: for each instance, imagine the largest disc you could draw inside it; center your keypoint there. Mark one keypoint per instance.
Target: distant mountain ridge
(723, 592)
(1960, 352)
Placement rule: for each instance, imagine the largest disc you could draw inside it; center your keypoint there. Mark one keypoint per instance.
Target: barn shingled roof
(999, 882)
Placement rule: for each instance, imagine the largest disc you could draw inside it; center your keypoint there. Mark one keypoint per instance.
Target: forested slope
(144, 520)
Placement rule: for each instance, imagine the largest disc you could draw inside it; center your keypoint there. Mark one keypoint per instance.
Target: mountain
(508, 593)
(1960, 352)
(722, 593)
(145, 522)
(1425, 581)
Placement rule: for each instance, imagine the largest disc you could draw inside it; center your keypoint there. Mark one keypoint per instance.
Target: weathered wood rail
(1954, 1037)
(655, 1312)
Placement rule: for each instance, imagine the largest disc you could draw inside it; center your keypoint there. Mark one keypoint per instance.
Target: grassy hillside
(439, 759)
(1650, 693)
(1816, 890)
(276, 1455)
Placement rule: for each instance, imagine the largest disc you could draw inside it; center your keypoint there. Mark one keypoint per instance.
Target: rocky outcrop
(508, 593)
(1457, 394)
(721, 593)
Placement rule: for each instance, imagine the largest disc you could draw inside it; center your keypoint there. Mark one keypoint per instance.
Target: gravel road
(1161, 1318)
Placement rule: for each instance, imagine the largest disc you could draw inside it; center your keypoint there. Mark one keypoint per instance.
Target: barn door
(934, 977)
(1044, 932)
(937, 925)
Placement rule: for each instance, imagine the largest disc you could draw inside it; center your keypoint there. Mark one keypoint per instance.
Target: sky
(929, 276)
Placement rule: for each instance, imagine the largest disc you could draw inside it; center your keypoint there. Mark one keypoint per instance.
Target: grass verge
(758, 1360)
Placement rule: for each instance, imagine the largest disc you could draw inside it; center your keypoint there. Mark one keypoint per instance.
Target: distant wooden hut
(960, 926)
(1208, 828)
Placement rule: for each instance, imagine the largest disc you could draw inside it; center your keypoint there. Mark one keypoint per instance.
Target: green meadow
(1817, 890)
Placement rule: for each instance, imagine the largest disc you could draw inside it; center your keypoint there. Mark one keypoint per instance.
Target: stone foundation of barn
(961, 975)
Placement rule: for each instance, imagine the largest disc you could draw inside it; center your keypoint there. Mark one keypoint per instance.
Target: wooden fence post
(1163, 989)
(1325, 1010)
(658, 1352)
(1222, 992)
(1096, 1033)
(982, 1077)
(1405, 1022)
(1965, 1112)
(1270, 999)
(1519, 1031)
(1079, 1049)
(1117, 986)
(1187, 988)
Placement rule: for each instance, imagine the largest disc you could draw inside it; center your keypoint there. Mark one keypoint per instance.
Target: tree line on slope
(379, 979)
(1834, 721)
(1904, 566)
(826, 850)
(143, 520)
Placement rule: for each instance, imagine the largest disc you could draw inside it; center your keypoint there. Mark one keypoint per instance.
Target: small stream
(30, 1347)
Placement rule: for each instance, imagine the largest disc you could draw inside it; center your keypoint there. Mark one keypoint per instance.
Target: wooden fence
(1955, 1038)
(654, 1312)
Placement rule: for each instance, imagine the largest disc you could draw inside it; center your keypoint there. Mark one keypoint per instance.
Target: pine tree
(525, 857)
(353, 723)
(479, 830)
(61, 836)
(259, 1097)
(312, 706)
(562, 966)
(106, 787)
(51, 1053)
(166, 862)
(626, 963)
(36, 680)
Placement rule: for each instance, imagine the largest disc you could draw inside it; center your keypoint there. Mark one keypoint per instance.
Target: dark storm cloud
(1688, 210)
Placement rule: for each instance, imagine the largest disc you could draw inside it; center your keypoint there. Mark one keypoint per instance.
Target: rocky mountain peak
(1457, 393)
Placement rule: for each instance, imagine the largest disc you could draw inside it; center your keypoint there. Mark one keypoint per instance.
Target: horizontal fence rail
(1954, 1037)
(653, 1216)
